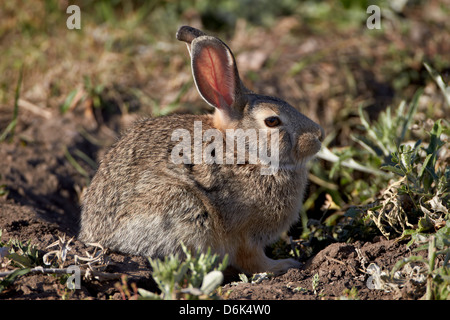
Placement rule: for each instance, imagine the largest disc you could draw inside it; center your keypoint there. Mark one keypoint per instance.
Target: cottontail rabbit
(143, 201)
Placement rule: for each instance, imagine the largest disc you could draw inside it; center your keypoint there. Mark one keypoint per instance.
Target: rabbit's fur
(141, 202)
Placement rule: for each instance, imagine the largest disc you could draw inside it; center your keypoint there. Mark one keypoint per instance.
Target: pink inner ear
(214, 74)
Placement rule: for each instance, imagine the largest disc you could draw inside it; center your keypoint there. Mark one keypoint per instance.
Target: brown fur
(141, 202)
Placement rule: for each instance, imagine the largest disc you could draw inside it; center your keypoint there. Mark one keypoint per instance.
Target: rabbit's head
(236, 107)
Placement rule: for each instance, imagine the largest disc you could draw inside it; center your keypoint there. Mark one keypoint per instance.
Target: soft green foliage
(315, 282)
(349, 294)
(23, 256)
(435, 278)
(10, 278)
(382, 137)
(195, 276)
(418, 164)
(413, 199)
(404, 179)
(199, 264)
(255, 278)
(357, 173)
(10, 129)
(445, 89)
(423, 188)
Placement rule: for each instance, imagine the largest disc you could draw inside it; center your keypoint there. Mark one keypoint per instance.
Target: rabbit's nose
(320, 134)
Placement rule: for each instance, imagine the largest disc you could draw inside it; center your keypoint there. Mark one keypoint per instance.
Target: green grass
(10, 129)
(195, 276)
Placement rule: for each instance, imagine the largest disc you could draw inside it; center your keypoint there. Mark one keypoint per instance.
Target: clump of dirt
(330, 274)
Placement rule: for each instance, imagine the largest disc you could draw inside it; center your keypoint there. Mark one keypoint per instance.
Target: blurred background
(320, 56)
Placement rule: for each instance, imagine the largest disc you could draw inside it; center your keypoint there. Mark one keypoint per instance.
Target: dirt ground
(42, 172)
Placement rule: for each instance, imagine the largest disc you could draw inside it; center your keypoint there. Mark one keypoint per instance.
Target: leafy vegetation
(411, 200)
(22, 256)
(192, 277)
(25, 258)
(10, 129)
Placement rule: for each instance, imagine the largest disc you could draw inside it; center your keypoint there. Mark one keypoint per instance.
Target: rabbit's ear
(187, 34)
(216, 75)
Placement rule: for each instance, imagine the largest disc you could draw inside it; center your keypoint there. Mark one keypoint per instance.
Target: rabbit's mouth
(296, 167)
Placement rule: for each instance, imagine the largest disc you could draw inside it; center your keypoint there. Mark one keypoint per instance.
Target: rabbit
(141, 202)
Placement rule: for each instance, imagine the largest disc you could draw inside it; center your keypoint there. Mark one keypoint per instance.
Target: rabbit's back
(138, 202)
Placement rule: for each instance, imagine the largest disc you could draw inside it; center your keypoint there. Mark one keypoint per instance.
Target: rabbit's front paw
(282, 266)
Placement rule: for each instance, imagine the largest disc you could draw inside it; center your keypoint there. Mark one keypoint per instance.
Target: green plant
(195, 276)
(23, 256)
(4, 191)
(427, 273)
(440, 82)
(9, 279)
(384, 136)
(315, 282)
(416, 202)
(125, 292)
(70, 158)
(26, 258)
(255, 278)
(355, 175)
(412, 188)
(421, 196)
(349, 294)
(10, 129)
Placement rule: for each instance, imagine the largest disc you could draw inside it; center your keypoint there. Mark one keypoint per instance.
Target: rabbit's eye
(272, 122)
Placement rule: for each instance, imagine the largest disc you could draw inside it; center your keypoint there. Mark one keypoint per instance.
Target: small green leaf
(65, 106)
(20, 260)
(439, 81)
(424, 165)
(147, 295)
(211, 281)
(243, 278)
(393, 169)
(425, 224)
(10, 278)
